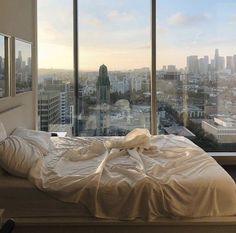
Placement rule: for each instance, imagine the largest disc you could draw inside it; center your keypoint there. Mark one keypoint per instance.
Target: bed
(47, 213)
(21, 199)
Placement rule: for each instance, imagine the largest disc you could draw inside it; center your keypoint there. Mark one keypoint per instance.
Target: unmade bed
(187, 184)
(172, 178)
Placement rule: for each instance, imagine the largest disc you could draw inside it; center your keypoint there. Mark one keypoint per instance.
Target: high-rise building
(63, 107)
(171, 68)
(63, 90)
(19, 61)
(234, 64)
(201, 66)
(192, 64)
(103, 86)
(212, 64)
(103, 102)
(229, 63)
(216, 59)
(48, 109)
(206, 64)
(221, 63)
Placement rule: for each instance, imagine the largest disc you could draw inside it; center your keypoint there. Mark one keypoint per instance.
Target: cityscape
(23, 66)
(197, 101)
(23, 76)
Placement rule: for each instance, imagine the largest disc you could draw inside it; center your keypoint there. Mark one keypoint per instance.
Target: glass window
(23, 66)
(55, 61)
(196, 74)
(114, 62)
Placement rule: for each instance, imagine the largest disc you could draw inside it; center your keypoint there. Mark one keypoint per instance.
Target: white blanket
(171, 177)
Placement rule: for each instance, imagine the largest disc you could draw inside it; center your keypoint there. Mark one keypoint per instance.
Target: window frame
(7, 52)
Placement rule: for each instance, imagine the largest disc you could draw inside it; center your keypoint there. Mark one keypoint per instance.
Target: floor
(231, 170)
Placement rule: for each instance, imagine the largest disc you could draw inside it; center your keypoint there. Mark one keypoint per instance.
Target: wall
(18, 18)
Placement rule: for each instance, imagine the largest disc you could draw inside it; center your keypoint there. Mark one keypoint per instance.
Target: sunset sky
(117, 32)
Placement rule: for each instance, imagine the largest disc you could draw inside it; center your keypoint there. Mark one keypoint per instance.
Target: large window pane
(23, 69)
(55, 52)
(196, 74)
(114, 61)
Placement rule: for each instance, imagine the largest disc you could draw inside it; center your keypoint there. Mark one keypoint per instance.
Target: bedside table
(1, 217)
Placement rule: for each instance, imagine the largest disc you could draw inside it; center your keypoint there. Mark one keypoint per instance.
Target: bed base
(91, 225)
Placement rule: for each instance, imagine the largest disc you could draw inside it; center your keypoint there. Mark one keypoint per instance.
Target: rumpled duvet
(139, 176)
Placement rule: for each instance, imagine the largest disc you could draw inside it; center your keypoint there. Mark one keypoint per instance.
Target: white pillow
(40, 139)
(3, 133)
(17, 156)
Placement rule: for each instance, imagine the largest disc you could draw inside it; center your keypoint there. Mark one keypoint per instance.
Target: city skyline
(24, 48)
(209, 60)
(181, 29)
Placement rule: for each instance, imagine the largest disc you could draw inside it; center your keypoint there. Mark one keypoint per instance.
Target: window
(23, 69)
(196, 71)
(114, 62)
(195, 75)
(55, 55)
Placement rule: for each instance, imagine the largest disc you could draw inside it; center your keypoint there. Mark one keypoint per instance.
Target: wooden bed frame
(87, 225)
(91, 225)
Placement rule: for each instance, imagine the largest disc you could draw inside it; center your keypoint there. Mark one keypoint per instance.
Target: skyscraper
(234, 63)
(201, 66)
(48, 109)
(221, 63)
(192, 65)
(216, 59)
(229, 63)
(103, 86)
(103, 102)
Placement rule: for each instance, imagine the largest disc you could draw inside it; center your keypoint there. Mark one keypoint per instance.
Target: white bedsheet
(174, 177)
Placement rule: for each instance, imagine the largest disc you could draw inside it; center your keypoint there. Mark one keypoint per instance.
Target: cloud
(91, 21)
(57, 29)
(121, 16)
(182, 19)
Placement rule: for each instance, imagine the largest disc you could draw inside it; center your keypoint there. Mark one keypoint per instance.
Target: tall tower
(103, 102)
(192, 64)
(103, 86)
(20, 55)
(216, 59)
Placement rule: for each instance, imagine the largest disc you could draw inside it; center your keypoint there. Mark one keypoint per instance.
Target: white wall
(18, 18)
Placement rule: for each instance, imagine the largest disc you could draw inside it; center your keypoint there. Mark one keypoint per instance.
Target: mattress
(20, 198)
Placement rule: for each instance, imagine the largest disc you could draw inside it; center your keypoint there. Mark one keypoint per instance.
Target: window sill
(224, 158)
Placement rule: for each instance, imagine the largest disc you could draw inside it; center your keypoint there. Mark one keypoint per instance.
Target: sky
(117, 32)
